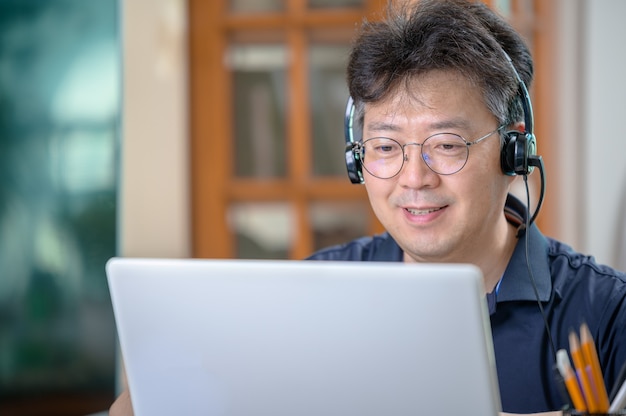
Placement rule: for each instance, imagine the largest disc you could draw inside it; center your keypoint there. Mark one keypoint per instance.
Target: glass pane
(323, 4)
(504, 7)
(59, 95)
(263, 230)
(259, 73)
(338, 222)
(255, 6)
(329, 93)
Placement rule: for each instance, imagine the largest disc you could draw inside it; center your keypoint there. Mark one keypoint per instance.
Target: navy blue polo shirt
(572, 289)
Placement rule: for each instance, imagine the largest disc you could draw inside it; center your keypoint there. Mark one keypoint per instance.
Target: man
(441, 126)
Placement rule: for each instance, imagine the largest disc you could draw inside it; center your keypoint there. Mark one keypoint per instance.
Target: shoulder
(590, 292)
(578, 279)
(379, 247)
(565, 261)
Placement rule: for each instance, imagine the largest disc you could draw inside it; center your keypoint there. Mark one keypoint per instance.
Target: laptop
(300, 338)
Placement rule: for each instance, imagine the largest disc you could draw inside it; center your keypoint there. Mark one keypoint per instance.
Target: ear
(519, 126)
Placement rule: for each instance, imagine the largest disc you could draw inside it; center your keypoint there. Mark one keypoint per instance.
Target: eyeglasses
(443, 153)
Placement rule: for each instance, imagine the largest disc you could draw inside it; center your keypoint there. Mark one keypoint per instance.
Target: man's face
(439, 218)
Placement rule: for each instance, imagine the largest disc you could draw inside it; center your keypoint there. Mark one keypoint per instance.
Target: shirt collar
(388, 250)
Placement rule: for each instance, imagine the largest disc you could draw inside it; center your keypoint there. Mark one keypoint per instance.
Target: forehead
(437, 97)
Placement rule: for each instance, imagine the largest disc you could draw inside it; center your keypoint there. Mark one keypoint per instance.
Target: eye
(446, 145)
(382, 148)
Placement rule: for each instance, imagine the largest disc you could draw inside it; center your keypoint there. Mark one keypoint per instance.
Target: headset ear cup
(353, 164)
(352, 135)
(514, 155)
(506, 158)
(517, 150)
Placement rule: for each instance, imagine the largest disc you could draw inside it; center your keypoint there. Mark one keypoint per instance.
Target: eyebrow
(382, 126)
(455, 123)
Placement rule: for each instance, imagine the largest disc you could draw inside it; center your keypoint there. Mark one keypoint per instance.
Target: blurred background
(60, 112)
(214, 128)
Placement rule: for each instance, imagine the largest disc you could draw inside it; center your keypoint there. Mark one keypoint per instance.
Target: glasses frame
(360, 148)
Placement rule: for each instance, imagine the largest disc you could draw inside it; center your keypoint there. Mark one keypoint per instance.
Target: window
(268, 94)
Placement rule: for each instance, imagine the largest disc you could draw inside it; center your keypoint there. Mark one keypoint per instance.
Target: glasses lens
(382, 157)
(445, 153)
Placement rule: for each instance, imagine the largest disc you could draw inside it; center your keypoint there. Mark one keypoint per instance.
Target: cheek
(484, 178)
(490, 188)
(370, 186)
(377, 190)
(485, 162)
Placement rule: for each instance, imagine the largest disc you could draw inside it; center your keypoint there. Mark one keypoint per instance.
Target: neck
(494, 265)
(492, 258)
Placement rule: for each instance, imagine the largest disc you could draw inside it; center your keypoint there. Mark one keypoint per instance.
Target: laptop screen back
(248, 337)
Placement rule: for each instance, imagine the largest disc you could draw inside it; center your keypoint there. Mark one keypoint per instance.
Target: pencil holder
(572, 412)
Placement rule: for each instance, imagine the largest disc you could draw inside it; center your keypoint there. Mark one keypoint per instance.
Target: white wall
(154, 197)
(605, 114)
(569, 121)
(589, 87)
(154, 210)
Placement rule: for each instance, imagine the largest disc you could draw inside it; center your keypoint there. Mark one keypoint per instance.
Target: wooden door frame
(210, 99)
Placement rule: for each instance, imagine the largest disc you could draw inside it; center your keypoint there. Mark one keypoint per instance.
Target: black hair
(416, 37)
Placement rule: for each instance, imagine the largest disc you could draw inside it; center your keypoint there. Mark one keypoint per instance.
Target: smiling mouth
(422, 211)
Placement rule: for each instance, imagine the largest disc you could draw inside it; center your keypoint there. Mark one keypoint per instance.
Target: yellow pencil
(590, 355)
(579, 364)
(571, 383)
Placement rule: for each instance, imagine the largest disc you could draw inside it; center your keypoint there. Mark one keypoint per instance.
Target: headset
(519, 149)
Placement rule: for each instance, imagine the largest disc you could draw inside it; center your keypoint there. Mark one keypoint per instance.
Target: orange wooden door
(268, 94)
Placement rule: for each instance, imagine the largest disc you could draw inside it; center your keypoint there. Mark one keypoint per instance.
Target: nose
(415, 172)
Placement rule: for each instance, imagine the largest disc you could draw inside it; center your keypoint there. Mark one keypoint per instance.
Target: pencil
(619, 402)
(590, 355)
(619, 381)
(571, 383)
(579, 364)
